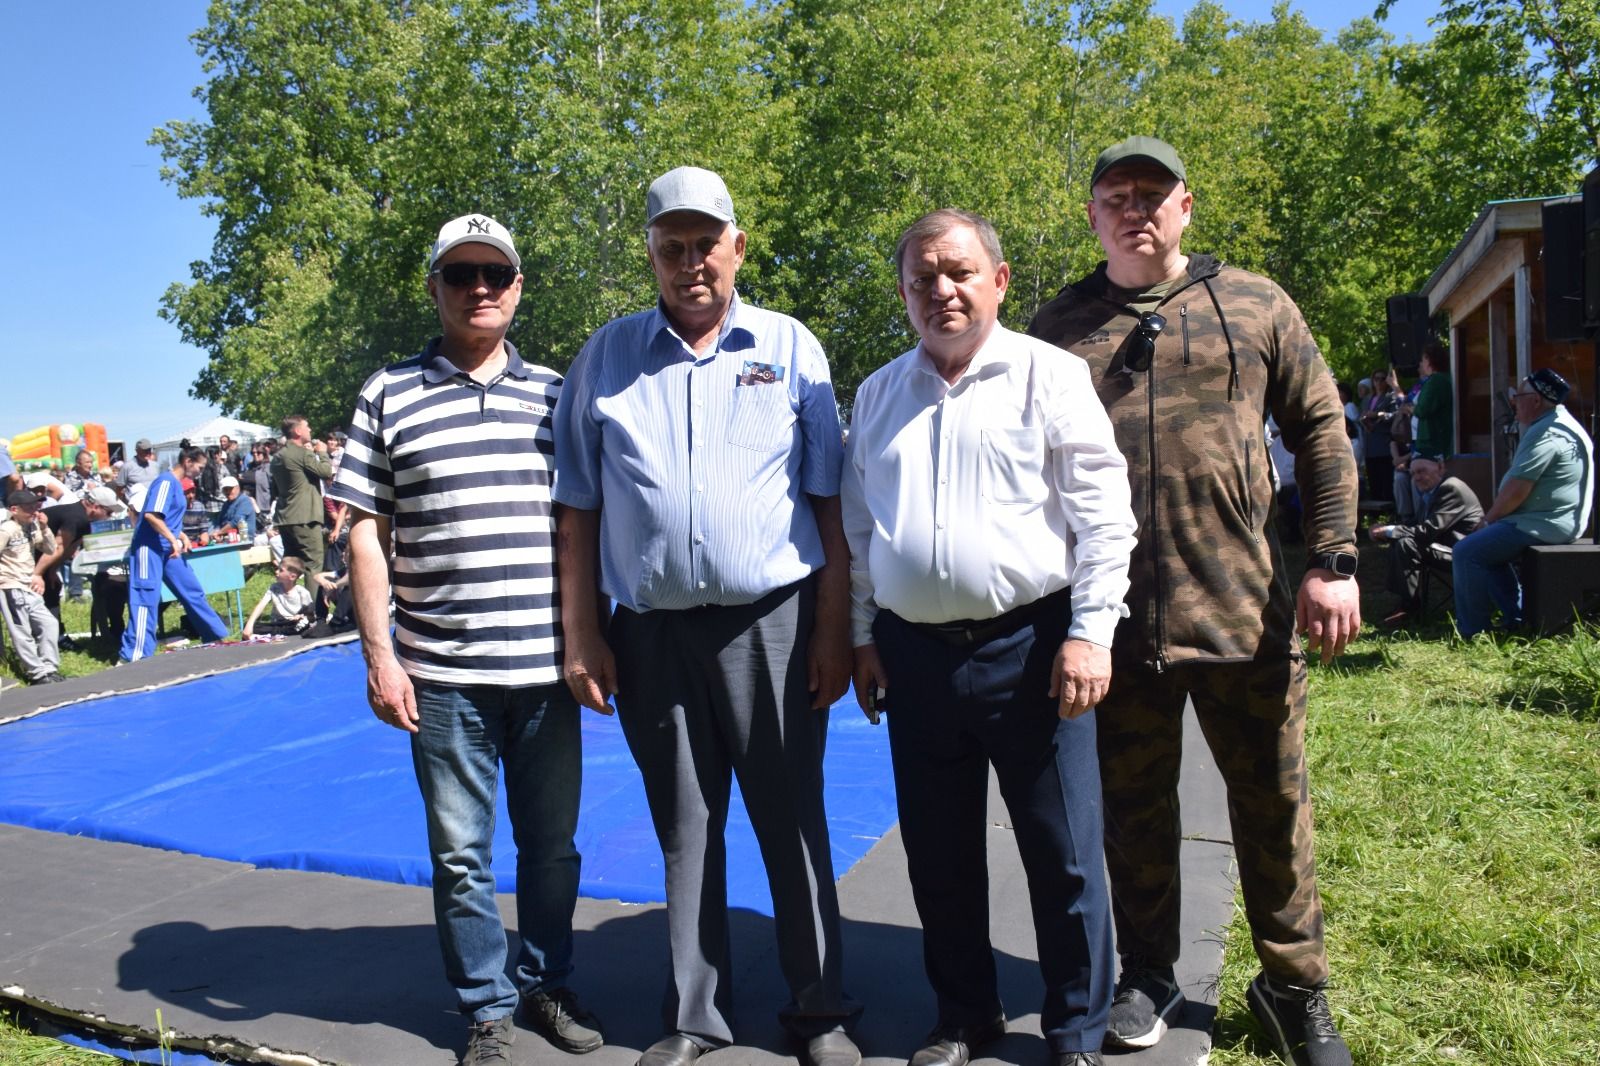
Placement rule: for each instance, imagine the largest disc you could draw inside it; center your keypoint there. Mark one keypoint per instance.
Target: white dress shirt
(966, 501)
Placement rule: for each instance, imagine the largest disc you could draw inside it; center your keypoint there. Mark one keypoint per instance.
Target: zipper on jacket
(1183, 319)
(1155, 554)
(1250, 487)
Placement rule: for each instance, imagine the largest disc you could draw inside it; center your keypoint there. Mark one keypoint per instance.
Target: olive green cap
(1141, 150)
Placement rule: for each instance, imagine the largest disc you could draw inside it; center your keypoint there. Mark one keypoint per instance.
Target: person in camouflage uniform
(1189, 357)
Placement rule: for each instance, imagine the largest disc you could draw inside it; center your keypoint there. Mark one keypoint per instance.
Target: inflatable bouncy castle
(57, 447)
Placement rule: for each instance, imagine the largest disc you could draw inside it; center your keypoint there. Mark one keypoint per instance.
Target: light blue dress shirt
(700, 467)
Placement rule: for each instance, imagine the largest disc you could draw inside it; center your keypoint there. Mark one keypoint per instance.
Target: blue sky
(81, 88)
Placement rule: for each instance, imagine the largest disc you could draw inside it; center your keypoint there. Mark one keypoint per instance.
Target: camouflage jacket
(1208, 580)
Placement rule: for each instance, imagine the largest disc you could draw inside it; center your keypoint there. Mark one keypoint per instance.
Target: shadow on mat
(391, 976)
(360, 975)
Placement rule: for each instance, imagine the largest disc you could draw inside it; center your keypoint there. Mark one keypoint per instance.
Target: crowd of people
(1027, 559)
(204, 496)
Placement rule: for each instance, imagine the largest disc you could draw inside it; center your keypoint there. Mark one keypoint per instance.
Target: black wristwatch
(1341, 563)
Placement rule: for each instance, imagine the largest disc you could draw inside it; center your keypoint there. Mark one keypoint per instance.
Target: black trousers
(954, 711)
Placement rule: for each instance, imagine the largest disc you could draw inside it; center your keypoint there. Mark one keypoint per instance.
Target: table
(219, 568)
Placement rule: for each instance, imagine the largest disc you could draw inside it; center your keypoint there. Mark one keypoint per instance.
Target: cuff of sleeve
(1097, 625)
(576, 500)
(863, 609)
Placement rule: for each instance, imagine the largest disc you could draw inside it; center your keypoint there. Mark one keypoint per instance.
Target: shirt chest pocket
(760, 417)
(1013, 469)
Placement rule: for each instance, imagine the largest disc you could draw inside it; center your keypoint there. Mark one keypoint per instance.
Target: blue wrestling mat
(283, 766)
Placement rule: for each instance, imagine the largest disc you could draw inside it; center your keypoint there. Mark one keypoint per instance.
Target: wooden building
(1491, 290)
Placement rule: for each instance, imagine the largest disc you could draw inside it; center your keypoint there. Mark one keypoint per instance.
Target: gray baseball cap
(143, 445)
(688, 189)
(1139, 149)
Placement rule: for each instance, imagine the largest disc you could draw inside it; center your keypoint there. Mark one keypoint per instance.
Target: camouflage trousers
(1253, 715)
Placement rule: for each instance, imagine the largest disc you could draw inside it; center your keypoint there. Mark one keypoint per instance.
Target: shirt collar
(737, 330)
(437, 368)
(996, 356)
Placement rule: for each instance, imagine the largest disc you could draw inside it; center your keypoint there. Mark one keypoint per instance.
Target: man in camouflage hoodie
(1190, 356)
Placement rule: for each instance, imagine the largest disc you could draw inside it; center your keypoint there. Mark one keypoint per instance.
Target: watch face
(1341, 563)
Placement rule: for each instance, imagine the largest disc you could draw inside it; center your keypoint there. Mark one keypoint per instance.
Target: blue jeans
(1481, 565)
(464, 735)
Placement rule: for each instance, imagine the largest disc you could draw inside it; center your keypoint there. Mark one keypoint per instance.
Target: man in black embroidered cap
(1189, 357)
(1543, 499)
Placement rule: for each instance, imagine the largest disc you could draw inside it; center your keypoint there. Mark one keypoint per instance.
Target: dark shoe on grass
(490, 1043)
(1298, 1022)
(1147, 998)
(560, 1018)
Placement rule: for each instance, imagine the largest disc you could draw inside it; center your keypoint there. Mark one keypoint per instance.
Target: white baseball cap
(479, 228)
(229, 482)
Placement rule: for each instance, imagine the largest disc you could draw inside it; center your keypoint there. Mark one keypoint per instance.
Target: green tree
(899, 111)
(341, 133)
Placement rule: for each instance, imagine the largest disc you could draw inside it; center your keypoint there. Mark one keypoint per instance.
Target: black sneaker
(1299, 1023)
(557, 1016)
(1147, 997)
(490, 1043)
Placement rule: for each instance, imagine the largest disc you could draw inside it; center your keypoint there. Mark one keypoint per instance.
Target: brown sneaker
(490, 1043)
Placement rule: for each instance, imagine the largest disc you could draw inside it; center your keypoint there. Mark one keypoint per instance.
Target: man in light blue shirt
(1545, 498)
(698, 455)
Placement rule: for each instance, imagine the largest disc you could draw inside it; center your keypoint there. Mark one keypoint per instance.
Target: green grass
(1457, 796)
(100, 654)
(19, 1047)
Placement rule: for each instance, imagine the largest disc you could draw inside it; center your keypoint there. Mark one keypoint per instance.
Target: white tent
(210, 432)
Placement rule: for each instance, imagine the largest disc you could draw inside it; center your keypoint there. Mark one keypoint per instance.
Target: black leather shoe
(1079, 1058)
(674, 1050)
(832, 1049)
(952, 1045)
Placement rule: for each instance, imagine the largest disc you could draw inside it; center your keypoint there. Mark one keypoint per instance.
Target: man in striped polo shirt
(450, 453)
(697, 464)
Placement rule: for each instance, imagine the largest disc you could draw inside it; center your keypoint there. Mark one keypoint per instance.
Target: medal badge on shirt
(755, 373)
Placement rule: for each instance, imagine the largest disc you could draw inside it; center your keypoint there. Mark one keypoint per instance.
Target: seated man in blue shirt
(1543, 499)
(238, 512)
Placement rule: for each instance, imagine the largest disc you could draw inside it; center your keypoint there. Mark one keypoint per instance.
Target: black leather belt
(968, 632)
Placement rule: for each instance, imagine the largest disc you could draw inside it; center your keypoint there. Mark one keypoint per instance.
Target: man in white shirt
(987, 510)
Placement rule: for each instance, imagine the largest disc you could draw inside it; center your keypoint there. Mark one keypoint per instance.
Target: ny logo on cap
(477, 225)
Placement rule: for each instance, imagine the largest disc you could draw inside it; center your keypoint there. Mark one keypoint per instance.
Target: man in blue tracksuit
(157, 556)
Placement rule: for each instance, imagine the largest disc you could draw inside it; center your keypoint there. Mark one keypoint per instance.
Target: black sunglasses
(465, 275)
(1142, 343)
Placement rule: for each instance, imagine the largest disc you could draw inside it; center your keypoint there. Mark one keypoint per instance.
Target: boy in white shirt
(291, 602)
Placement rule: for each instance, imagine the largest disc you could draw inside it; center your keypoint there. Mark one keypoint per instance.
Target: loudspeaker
(1558, 582)
(1563, 271)
(1408, 331)
(1591, 249)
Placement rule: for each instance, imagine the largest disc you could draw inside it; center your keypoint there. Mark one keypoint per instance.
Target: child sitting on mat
(291, 602)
